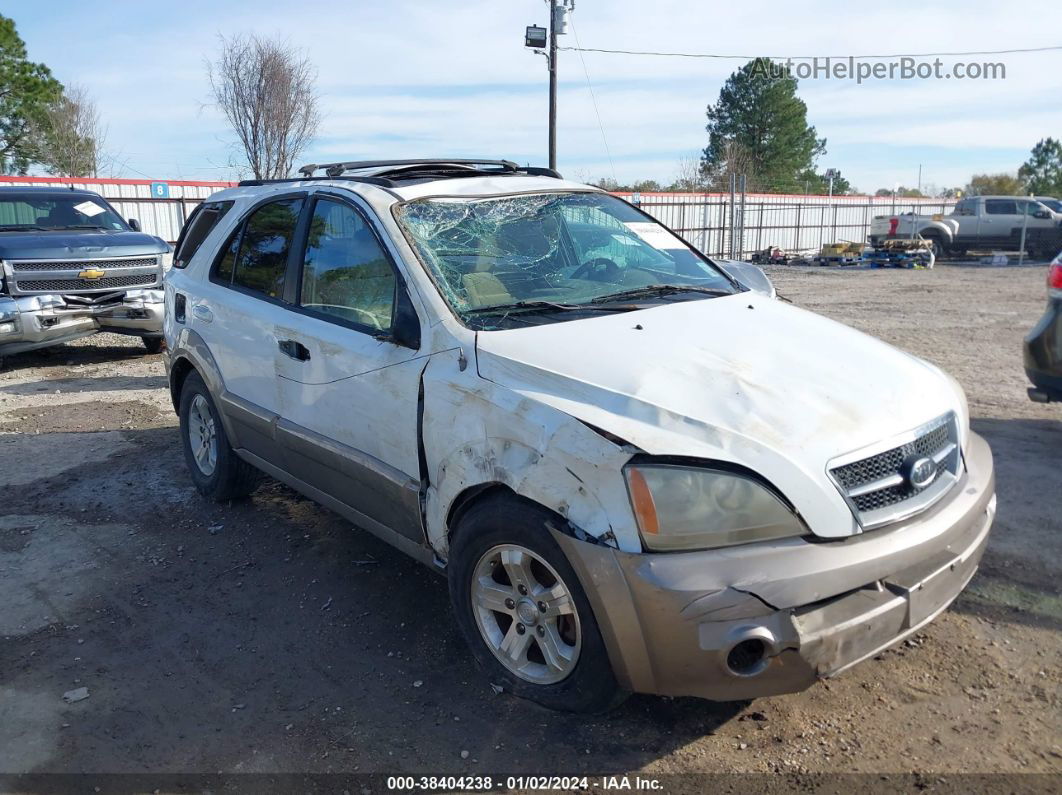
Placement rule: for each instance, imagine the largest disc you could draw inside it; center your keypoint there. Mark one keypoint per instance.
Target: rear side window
(203, 219)
(255, 257)
(1001, 207)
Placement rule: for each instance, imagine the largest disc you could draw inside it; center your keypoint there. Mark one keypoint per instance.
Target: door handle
(296, 350)
(203, 313)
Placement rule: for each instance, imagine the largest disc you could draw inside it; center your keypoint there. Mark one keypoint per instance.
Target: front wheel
(523, 612)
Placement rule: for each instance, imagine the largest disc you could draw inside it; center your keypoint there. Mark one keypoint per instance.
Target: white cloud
(425, 77)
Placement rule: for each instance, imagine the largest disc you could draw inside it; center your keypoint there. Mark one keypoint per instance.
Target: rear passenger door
(236, 314)
(349, 393)
(1000, 217)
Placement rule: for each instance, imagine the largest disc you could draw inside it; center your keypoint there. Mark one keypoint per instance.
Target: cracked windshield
(501, 259)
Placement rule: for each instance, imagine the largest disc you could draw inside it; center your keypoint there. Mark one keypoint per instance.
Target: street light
(538, 39)
(535, 36)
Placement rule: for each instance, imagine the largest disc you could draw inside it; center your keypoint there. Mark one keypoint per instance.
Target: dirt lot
(267, 635)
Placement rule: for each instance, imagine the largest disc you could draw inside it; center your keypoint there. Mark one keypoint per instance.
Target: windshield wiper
(81, 226)
(545, 306)
(657, 290)
(22, 228)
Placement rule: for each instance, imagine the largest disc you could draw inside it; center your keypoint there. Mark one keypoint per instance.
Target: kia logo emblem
(919, 472)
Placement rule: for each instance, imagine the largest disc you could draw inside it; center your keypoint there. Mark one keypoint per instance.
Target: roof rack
(338, 169)
(427, 168)
(390, 173)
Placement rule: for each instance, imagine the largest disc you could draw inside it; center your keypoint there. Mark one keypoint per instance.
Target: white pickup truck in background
(979, 222)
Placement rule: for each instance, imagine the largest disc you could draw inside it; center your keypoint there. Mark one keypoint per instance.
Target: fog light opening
(747, 658)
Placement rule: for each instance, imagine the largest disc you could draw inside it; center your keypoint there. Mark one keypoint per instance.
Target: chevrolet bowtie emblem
(92, 273)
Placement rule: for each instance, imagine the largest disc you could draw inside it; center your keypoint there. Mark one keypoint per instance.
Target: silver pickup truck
(70, 266)
(981, 222)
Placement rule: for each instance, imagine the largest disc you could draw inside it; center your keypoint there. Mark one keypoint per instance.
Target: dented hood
(740, 378)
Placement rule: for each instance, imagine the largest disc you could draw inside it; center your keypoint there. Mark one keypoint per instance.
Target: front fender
(477, 433)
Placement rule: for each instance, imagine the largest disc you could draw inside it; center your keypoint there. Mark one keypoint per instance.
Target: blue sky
(432, 78)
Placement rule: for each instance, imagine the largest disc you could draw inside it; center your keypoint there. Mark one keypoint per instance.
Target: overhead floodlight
(535, 36)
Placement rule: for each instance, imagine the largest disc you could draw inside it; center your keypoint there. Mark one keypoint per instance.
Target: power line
(811, 57)
(593, 99)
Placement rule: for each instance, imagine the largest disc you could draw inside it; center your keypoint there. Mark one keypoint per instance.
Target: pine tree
(1042, 172)
(26, 90)
(759, 115)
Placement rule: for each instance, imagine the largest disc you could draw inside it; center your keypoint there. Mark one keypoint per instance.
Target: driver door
(348, 395)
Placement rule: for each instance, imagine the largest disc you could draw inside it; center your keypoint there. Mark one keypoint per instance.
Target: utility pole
(554, 11)
(545, 42)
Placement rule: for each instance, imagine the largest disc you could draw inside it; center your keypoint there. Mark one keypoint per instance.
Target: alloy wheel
(526, 614)
(202, 435)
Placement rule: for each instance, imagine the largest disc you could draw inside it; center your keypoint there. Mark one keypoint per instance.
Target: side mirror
(405, 328)
(134, 224)
(1041, 214)
(748, 276)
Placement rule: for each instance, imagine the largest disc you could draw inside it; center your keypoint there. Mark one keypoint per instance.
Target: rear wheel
(523, 611)
(153, 344)
(937, 244)
(216, 470)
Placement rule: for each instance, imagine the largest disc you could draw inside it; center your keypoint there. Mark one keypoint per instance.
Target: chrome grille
(29, 277)
(77, 285)
(68, 265)
(875, 481)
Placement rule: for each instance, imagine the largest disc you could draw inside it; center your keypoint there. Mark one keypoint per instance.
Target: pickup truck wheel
(216, 470)
(153, 344)
(523, 612)
(938, 246)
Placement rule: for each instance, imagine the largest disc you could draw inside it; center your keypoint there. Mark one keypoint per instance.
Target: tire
(153, 344)
(216, 471)
(512, 533)
(938, 246)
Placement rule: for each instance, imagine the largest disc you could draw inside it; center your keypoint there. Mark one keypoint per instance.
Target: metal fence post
(741, 233)
(733, 188)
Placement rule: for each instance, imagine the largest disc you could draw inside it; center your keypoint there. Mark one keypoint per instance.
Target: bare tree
(70, 136)
(690, 177)
(266, 90)
(735, 160)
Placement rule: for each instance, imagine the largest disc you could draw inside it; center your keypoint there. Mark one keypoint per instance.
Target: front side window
(578, 250)
(345, 273)
(256, 256)
(47, 212)
(1001, 207)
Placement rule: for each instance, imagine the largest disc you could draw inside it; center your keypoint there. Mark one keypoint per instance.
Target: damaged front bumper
(39, 321)
(771, 618)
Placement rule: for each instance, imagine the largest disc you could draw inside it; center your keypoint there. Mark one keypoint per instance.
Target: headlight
(685, 508)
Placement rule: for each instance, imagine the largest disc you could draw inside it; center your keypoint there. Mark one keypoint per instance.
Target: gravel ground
(266, 635)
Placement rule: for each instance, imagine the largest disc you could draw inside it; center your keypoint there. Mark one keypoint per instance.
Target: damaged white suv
(637, 473)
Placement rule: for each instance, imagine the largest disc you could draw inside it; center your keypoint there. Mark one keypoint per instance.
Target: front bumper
(672, 621)
(39, 321)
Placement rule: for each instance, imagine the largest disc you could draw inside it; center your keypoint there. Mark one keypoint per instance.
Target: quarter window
(262, 258)
(345, 272)
(203, 220)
